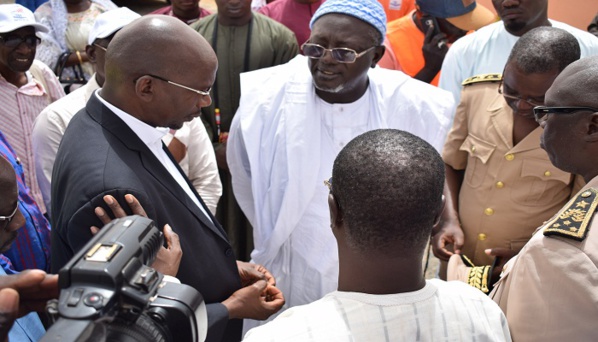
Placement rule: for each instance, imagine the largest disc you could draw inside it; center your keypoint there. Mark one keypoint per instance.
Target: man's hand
(258, 301)
(34, 288)
(434, 50)
(501, 256)
(450, 233)
(169, 257)
(250, 273)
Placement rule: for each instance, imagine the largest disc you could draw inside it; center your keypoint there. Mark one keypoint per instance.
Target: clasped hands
(258, 298)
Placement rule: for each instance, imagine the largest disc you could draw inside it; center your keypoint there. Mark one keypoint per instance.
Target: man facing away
(26, 86)
(190, 145)
(486, 50)
(385, 196)
(501, 184)
(292, 122)
(158, 74)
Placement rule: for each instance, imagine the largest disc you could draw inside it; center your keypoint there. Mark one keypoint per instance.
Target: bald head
(577, 85)
(155, 44)
(154, 69)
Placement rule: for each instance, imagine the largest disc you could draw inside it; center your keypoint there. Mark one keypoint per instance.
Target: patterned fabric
(18, 110)
(31, 249)
(370, 11)
(441, 311)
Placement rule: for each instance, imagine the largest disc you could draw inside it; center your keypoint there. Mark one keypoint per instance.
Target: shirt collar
(150, 135)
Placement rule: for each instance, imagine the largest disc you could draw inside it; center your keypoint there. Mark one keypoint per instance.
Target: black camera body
(109, 293)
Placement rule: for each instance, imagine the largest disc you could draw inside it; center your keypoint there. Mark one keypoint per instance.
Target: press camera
(109, 293)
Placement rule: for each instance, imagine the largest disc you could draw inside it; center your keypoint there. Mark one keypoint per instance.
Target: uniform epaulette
(573, 222)
(482, 78)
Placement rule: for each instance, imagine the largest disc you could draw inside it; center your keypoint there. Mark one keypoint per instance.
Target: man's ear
(378, 53)
(145, 88)
(336, 214)
(440, 210)
(592, 134)
(90, 50)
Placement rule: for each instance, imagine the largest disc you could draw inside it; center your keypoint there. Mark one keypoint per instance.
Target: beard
(514, 26)
(336, 90)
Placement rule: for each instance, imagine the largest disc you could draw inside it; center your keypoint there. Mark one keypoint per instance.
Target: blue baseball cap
(464, 14)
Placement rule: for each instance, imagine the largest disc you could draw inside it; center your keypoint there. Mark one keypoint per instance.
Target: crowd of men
(277, 136)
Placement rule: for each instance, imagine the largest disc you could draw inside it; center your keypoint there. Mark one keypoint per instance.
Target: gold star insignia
(556, 225)
(567, 223)
(582, 204)
(573, 229)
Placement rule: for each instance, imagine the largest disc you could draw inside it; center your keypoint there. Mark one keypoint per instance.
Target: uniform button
(489, 211)
(547, 174)
(228, 252)
(472, 148)
(482, 237)
(510, 156)
(500, 185)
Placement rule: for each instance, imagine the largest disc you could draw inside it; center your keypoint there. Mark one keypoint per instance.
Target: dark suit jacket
(99, 155)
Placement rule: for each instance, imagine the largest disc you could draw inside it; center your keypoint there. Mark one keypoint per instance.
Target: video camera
(109, 293)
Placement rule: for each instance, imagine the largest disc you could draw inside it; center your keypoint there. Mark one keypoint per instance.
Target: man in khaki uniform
(501, 184)
(549, 292)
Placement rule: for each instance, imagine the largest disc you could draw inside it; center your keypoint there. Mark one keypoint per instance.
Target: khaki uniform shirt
(507, 191)
(549, 292)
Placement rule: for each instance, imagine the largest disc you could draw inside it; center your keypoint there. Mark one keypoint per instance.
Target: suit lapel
(112, 123)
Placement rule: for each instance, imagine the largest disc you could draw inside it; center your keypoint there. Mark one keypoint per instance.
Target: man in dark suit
(158, 74)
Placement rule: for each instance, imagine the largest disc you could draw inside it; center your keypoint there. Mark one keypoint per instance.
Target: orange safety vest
(396, 9)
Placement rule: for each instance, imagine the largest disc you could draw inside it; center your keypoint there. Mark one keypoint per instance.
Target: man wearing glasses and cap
(295, 118)
(26, 86)
(501, 184)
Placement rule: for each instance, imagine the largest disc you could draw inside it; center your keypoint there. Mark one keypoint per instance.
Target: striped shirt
(18, 110)
(441, 311)
(31, 249)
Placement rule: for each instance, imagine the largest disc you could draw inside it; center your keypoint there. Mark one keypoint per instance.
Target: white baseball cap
(13, 17)
(109, 22)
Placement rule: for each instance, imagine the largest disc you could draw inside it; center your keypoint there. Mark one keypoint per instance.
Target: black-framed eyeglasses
(12, 41)
(199, 92)
(341, 55)
(9, 218)
(513, 97)
(101, 47)
(541, 112)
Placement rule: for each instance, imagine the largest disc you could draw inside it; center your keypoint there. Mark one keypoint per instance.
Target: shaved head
(153, 44)
(578, 83)
(145, 61)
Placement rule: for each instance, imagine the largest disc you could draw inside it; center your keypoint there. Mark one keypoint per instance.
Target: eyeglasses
(341, 55)
(12, 41)
(105, 49)
(541, 112)
(200, 92)
(11, 216)
(530, 102)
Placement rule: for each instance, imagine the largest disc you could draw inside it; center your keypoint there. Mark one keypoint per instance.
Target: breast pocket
(540, 184)
(479, 152)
